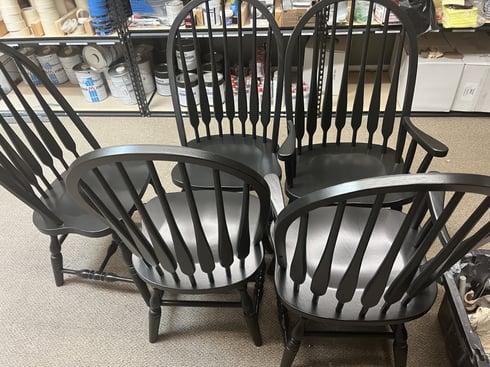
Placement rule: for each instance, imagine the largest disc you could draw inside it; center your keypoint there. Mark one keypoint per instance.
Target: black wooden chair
(188, 241)
(36, 148)
(345, 122)
(231, 85)
(361, 268)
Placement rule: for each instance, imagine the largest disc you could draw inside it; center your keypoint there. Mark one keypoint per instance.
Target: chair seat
(206, 205)
(333, 164)
(253, 152)
(320, 223)
(77, 219)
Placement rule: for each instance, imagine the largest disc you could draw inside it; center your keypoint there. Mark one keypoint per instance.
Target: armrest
(433, 146)
(287, 149)
(277, 200)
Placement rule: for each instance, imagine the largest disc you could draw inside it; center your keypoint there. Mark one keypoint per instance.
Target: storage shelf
(56, 40)
(110, 106)
(160, 105)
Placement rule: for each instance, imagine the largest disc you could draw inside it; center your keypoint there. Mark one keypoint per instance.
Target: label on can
(144, 67)
(30, 52)
(51, 64)
(121, 80)
(208, 82)
(180, 81)
(161, 80)
(91, 83)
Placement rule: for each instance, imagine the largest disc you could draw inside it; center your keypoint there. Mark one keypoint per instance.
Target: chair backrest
(352, 268)
(342, 70)
(213, 228)
(229, 83)
(37, 147)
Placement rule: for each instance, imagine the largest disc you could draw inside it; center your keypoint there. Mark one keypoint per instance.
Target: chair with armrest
(36, 148)
(184, 240)
(357, 268)
(227, 95)
(351, 118)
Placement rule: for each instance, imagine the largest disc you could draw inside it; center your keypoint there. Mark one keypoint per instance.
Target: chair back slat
(384, 262)
(168, 261)
(341, 113)
(203, 95)
(225, 247)
(358, 105)
(348, 283)
(298, 262)
(312, 114)
(327, 108)
(266, 103)
(299, 120)
(200, 236)
(243, 230)
(377, 284)
(321, 277)
(254, 82)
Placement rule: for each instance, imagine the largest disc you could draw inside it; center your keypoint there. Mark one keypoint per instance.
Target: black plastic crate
(462, 343)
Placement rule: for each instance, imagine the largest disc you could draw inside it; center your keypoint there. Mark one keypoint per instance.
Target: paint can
(187, 47)
(50, 62)
(208, 82)
(100, 57)
(69, 57)
(121, 80)
(144, 67)
(161, 80)
(180, 81)
(30, 53)
(91, 83)
(9, 64)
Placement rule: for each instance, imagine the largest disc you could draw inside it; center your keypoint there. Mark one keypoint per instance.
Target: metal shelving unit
(154, 104)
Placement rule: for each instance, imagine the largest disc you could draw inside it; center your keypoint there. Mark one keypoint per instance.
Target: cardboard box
(474, 83)
(290, 17)
(3, 28)
(437, 78)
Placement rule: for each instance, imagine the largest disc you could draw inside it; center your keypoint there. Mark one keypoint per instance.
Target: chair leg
(155, 314)
(251, 316)
(293, 344)
(56, 260)
(259, 287)
(283, 320)
(400, 346)
(140, 285)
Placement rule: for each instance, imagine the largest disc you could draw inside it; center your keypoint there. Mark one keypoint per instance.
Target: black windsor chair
(188, 241)
(34, 155)
(358, 267)
(230, 88)
(342, 112)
